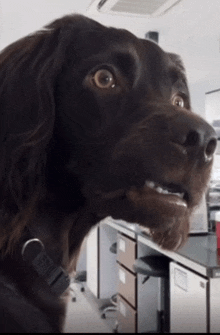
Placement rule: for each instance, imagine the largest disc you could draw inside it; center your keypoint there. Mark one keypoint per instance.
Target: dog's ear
(179, 74)
(176, 59)
(28, 71)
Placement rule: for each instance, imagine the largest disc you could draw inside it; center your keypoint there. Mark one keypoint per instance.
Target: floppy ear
(177, 61)
(179, 66)
(28, 70)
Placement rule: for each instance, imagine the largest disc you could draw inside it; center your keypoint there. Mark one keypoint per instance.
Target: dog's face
(128, 133)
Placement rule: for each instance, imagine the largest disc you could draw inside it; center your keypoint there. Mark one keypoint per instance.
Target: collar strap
(33, 252)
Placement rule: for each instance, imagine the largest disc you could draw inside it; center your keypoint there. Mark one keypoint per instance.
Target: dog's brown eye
(178, 101)
(104, 79)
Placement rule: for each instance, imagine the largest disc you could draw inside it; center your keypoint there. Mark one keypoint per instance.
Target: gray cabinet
(188, 301)
(101, 262)
(127, 284)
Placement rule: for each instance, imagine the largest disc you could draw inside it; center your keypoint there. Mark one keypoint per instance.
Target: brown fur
(73, 152)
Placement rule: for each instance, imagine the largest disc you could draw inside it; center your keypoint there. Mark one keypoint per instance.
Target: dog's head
(100, 118)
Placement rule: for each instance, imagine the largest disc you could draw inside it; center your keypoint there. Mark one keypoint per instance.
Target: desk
(199, 255)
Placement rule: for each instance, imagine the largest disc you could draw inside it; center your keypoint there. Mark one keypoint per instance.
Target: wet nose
(194, 136)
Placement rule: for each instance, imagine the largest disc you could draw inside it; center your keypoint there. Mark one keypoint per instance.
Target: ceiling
(191, 29)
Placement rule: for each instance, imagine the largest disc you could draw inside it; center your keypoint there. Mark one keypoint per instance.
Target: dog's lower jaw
(175, 237)
(167, 218)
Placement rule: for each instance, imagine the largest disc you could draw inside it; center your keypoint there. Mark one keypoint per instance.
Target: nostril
(210, 148)
(192, 139)
(195, 141)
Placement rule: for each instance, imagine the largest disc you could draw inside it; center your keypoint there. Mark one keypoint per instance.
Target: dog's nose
(194, 136)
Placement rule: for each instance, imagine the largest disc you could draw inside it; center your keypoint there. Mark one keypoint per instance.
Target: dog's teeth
(181, 195)
(159, 189)
(150, 184)
(162, 190)
(165, 192)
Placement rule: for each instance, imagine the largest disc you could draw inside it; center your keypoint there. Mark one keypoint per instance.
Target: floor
(84, 315)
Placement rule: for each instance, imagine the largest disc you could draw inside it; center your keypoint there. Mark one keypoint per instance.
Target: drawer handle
(122, 245)
(122, 309)
(122, 276)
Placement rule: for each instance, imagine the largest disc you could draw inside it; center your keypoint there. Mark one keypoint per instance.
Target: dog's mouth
(172, 192)
(164, 208)
(169, 190)
(159, 194)
(159, 203)
(154, 201)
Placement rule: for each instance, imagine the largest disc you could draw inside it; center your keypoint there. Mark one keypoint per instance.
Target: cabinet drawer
(126, 317)
(127, 283)
(127, 251)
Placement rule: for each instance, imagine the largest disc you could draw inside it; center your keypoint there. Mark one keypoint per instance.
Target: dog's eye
(104, 79)
(178, 101)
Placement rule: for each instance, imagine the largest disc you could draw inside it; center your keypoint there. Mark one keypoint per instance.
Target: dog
(95, 122)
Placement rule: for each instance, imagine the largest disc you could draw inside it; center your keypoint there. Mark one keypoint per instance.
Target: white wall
(21, 17)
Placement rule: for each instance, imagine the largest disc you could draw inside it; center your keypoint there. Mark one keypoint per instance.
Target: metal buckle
(33, 252)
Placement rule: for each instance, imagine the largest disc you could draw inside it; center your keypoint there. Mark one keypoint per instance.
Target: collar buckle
(33, 252)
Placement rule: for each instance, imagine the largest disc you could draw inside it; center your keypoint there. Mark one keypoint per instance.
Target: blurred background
(190, 28)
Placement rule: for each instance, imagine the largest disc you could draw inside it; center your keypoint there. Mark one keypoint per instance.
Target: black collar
(33, 252)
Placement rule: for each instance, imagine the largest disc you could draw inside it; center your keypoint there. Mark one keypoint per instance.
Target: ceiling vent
(142, 8)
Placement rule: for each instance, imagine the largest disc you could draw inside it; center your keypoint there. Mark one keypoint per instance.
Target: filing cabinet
(126, 317)
(188, 300)
(127, 284)
(127, 251)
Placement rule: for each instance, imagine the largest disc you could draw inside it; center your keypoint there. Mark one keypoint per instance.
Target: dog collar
(33, 252)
